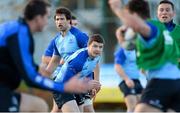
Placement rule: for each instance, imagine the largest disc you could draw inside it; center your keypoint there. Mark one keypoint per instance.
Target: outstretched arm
(130, 20)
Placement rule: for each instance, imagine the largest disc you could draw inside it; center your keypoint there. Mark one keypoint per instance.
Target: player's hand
(95, 84)
(93, 93)
(77, 85)
(43, 71)
(120, 33)
(129, 83)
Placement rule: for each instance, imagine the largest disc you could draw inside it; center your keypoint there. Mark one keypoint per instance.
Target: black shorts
(87, 96)
(131, 91)
(162, 94)
(9, 100)
(62, 98)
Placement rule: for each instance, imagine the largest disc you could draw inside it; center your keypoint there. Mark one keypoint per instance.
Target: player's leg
(55, 108)
(88, 103)
(157, 96)
(80, 101)
(175, 101)
(131, 102)
(9, 100)
(129, 95)
(143, 107)
(66, 102)
(32, 103)
(81, 107)
(70, 106)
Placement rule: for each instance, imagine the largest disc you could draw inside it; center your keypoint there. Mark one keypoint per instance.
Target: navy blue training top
(16, 58)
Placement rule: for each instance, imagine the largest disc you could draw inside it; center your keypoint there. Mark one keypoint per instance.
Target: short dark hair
(166, 2)
(141, 7)
(73, 17)
(97, 38)
(65, 11)
(34, 8)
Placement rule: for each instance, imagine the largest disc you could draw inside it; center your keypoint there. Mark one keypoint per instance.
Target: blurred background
(94, 16)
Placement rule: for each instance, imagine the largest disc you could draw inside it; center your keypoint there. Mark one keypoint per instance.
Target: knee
(142, 107)
(139, 108)
(89, 108)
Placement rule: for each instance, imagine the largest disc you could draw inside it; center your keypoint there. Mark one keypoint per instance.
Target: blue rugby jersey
(127, 59)
(79, 62)
(16, 58)
(74, 40)
(50, 49)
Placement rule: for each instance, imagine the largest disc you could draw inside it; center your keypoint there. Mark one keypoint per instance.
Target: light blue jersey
(65, 46)
(168, 71)
(74, 40)
(79, 62)
(127, 59)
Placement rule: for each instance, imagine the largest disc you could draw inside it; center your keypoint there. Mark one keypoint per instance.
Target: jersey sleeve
(50, 49)
(56, 52)
(20, 47)
(82, 38)
(153, 37)
(74, 66)
(119, 56)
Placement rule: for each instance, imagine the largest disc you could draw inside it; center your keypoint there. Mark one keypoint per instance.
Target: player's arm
(96, 72)
(54, 62)
(82, 40)
(19, 48)
(46, 57)
(123, 75)
(48, 52)
(73, 69)
(96, 77)
(120, 34)
(44, 63)
(119, 61)
(130, 20)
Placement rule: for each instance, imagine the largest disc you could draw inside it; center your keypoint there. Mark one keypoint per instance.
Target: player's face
(95, 49)
(42, 21)
(165, 13)
(61, 22)
(74, 22)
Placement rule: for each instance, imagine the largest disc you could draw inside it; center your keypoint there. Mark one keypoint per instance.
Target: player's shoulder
(77, 32)
(156, 23)
(119, 52)
(79, 57)
(81, 52)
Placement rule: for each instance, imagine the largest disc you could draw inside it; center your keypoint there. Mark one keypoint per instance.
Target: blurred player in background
(157, 52)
